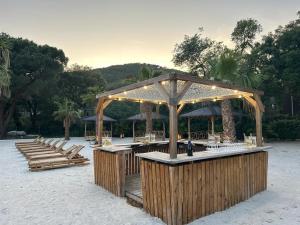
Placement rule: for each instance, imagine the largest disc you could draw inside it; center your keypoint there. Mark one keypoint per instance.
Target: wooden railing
(132, 162)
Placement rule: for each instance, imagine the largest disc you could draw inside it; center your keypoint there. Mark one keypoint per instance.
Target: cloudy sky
(99, 33)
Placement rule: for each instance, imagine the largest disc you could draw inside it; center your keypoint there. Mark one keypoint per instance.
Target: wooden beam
(173, 120)
(177, 76)
(137, 85)
(103, 102)
(162, 90)
(180, 108)
(258, 120)
(116, 98)
(259, 102)
(106, 103)
(194, 79)
(251, 101)
(185, 88)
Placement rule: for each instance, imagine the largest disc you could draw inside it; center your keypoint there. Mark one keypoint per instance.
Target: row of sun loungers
(45, 154)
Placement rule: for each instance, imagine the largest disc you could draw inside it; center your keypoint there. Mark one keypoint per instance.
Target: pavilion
(166, 182)
(176, 90)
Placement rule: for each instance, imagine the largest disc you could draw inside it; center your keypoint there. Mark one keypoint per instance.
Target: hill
(116, 75)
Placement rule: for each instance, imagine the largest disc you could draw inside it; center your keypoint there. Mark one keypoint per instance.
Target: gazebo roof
(207, 111)
(142, 116)
(190, 89)
(93, 118)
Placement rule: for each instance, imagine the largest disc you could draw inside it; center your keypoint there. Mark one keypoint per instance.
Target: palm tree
(68, 113)
(4, 69)
(232, 67)
(146, 107)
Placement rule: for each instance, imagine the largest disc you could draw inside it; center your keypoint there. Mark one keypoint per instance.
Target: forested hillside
(119, 75)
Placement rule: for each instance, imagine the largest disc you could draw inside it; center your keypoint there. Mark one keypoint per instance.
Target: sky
(99, 33)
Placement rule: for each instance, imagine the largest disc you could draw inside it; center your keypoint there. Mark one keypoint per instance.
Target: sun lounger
(51, 154)
(39, 141)
(38, 146)
(42, 148)
(73, 159)
(43, 143)
(29, 142)
(54, 149)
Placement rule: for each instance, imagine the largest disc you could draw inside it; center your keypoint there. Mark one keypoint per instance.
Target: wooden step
(134, 200)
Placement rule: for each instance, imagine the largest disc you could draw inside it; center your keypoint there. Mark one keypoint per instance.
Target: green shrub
(284, 129)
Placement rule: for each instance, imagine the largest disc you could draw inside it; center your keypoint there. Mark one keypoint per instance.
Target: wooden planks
(182, 193)
(109, 171)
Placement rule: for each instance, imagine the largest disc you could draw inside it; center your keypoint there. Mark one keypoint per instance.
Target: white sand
(69, 196)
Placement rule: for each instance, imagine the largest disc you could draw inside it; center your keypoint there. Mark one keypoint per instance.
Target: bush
(288, 129)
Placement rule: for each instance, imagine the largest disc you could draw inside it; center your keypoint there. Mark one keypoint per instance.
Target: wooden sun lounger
(44, 143)
(38, 146)
(73, 159)
(52, 154)
(29, 142)
(58, 149)
(40, 141)
(51, 147)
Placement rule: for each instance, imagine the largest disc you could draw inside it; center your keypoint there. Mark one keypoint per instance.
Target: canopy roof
(190, 89)
(207, 112)
(142, 116)
(93, 118)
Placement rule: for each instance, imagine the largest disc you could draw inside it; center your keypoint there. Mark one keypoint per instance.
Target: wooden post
(212, 125)
(100, 125)
(173, 119)
(164, 130)
(85, 129)
(111, 126)
(259, 108)
(258, 121)
(133, 130)
(189, 128)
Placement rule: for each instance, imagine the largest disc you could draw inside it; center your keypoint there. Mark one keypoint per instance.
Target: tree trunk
(228, 121)
(147, 109)
(67, 129)
(148, 122)
(6, 113)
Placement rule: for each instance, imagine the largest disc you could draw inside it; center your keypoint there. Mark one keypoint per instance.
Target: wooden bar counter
(184, 189)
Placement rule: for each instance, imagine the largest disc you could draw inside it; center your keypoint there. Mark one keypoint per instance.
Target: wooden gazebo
(176, 90)
(169, 184)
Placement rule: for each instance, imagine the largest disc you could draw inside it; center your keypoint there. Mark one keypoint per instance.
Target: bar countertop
(197, 156)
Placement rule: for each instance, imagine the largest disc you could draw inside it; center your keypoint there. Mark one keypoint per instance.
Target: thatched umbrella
(143, 117)
(93, 118)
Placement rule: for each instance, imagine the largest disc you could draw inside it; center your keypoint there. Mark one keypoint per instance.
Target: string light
(193, 102)
(145, 87)
(213, 87)
(163, 82)
(215, 99)
(125, 92)
(109, 96)
(120, 99)
(159, 103)
(240, 96)
(235, 91)
(141, 101)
